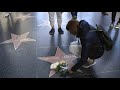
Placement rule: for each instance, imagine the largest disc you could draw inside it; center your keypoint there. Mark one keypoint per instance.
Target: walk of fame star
(44, 23)
(59, 56)
(18, 39)
(24, 17)
(47, 23)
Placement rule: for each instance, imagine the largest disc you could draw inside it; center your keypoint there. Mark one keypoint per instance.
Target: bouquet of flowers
(60, 67)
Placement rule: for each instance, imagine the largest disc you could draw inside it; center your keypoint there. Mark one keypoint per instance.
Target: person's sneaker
(117, 26)
(112, 25)
(60, 31)
(52, 31)
(89, 63)
(7, 14)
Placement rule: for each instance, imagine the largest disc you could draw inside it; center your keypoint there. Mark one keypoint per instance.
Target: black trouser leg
(113, 16)
(104, 13)
(74, 14)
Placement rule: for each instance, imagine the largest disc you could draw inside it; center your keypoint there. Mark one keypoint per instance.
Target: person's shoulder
(84, 23)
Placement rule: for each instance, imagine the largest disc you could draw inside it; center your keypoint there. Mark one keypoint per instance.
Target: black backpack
(104, 38)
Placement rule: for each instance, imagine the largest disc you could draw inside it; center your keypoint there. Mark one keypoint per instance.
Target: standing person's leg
(104, 13)
(51, 19)
(113, 19)
(113, 16)
(59, 21)
(74, 15)
(118, 24)
(119, 20)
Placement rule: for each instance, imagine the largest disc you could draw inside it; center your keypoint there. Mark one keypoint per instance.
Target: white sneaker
(117, 26)
(89, 63)
(7, 14)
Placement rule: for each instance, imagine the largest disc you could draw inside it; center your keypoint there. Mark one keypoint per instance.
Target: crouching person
(91, 45)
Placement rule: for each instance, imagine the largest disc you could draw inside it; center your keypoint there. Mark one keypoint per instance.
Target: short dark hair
(71, 23)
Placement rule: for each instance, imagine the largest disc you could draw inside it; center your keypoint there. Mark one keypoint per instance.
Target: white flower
(64, 68)
(54, 65)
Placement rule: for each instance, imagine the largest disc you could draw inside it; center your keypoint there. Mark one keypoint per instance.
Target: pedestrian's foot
(7, 14)
(104, 13)
(60, 31)
(117, 26)
(52, 31)
(89, 63)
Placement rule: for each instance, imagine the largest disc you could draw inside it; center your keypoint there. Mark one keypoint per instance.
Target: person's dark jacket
(91, 44)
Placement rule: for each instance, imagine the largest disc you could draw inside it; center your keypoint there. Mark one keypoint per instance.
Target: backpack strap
(99, 34)
(95, 30)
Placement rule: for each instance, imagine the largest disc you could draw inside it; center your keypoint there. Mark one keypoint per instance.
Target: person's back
(90, 39)
(91, 45)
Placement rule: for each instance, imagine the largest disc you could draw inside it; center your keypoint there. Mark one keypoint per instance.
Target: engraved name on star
(18, 39)
(59, 56)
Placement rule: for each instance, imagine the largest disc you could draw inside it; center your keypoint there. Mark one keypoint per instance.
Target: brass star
(18, 39)
(24, 17)
(59, 56)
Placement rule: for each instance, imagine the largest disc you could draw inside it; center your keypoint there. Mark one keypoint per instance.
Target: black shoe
(52, 31)
(104, 13)
(60, 31)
